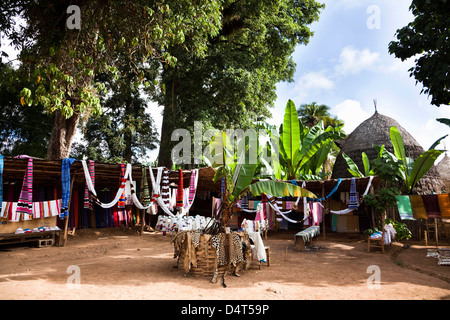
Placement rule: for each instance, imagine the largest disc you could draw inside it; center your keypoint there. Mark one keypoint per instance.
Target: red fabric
(180, 189)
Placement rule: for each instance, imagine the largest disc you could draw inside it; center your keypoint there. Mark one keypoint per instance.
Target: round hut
(375, 131)
(443, 167)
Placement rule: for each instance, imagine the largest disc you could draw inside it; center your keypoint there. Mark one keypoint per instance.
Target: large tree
(234, 84)
(23, 130)
(124, 132)
(65, 61)
(426, 39)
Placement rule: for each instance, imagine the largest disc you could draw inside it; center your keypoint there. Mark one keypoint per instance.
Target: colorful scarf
(145, 192)
(431, 204)
(192, 188)
(444, 205)
(165, 190)
(122, 200)
(65, 179)
(353, 198)
(404, 208)
(87, 195)
(25, 204)
(180, 195)
(418, 207)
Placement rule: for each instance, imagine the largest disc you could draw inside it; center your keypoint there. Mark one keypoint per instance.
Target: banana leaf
(245, 178)
(352, 167)
(397, 142)
(366, 163)
(291, 132)
(422, 164)
(279, 189)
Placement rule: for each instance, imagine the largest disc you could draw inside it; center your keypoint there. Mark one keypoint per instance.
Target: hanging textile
(326, 197)
(145, 192)
(353, 199)
(165, 190)
(156, 187)
(87, 195)
(1, 180)
(122, 200)
(93, 194)
(65, 179)
(190, 192)
(404, 207)
(431, 204)
(180, 194)
(444, 205)
(348, 210)
(25, 204)
(418, 207)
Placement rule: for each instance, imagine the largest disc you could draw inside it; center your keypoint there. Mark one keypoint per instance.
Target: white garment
(259, 250)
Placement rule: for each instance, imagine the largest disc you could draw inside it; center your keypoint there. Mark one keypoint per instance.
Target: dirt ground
(120, 264)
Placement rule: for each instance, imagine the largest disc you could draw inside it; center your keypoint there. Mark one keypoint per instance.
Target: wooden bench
(305, 236)
(44, 238)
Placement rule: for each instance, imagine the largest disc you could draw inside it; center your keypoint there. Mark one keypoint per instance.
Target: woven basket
(206, 256)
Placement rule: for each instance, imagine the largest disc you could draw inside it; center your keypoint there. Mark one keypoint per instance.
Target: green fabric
(404, 208)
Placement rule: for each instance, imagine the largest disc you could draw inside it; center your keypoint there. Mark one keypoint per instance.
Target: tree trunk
(168, 126)
(62, 136)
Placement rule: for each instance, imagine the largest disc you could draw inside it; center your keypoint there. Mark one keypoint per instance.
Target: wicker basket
(206, 256)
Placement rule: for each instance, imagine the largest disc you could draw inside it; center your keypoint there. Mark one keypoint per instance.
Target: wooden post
(436, 231)
(323, 209)
(66, 225)
(142, 221)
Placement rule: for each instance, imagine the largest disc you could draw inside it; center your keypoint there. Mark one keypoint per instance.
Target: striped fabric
(25, 204)
(165, 190)
(404, 207)
(65, 179)
(122, 200)
(353, 198)
(180, 194)
(88, 199)
(145, 192)
(192, 188)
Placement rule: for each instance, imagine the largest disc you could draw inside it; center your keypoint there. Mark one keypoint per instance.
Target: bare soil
(121, 264)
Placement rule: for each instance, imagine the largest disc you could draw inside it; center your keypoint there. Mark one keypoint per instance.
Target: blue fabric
(353, 199)
(65, 179)
(329, 195)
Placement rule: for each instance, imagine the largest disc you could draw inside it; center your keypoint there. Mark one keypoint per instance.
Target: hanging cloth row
(160, 193)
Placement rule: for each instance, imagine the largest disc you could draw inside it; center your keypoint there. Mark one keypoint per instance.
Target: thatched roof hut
(443, 167)
(375, 131)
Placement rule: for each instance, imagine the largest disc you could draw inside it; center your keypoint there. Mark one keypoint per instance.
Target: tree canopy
(426, 39)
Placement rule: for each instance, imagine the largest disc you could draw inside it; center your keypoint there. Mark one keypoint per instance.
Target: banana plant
(238, 174)
(303, 150)
(413, 170)
(409, 170)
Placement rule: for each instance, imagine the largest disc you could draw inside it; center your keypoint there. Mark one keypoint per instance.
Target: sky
(347, 65)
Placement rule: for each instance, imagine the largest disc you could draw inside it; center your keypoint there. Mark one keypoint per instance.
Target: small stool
(267, 248)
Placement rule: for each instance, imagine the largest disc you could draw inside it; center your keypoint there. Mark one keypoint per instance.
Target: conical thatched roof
(375, 131)
(443, 167)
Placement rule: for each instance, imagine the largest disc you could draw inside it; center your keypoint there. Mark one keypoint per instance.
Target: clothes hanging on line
(65, 180)
(25, 203)
(348, 210)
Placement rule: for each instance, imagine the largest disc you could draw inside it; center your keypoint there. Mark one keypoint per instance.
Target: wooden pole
(436, 231)
(66, 226)
(323, 209)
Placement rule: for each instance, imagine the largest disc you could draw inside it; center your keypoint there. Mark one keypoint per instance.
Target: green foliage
(426, 39)
(234, 84)
(397, 168)
(23, 130)
(304, 150)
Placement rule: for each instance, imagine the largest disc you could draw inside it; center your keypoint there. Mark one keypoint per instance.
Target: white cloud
(311, 83)
(353, 61)
(351, 113)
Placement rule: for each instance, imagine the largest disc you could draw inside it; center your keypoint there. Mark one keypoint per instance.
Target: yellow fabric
(418, 207)
(444, 205)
